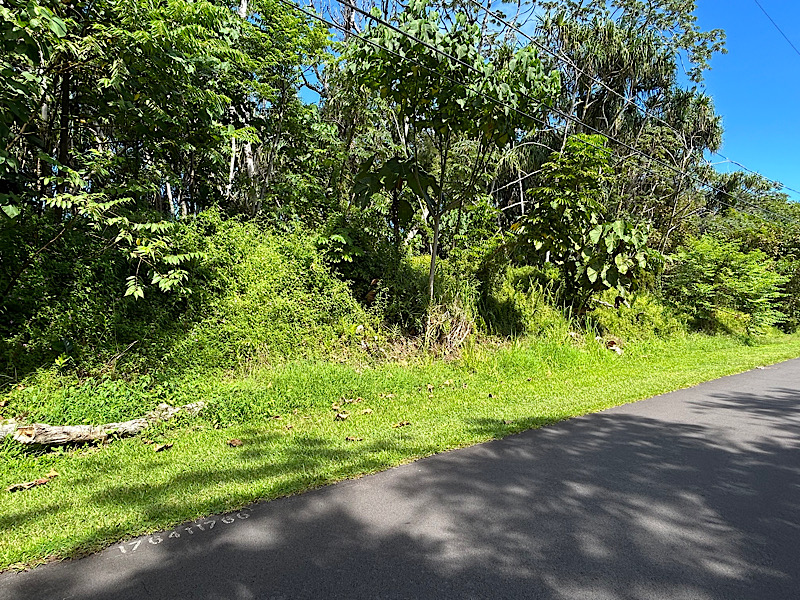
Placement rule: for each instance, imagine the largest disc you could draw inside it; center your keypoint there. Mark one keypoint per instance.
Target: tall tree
(443, 89)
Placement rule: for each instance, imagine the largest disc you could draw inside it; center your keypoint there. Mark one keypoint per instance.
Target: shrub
(710, 278)
(69, 306)
(405, 295)
(519, 302)
(569, 226)
(778, 238)
(261, 296)
(646, 316)
(255, 295)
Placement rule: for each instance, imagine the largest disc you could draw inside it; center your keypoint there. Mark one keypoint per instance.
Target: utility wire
(777, 27)
(506, 105)
(565, 59)
(744, 168)
(568, 61)
(558, 111)
(451, 79)
(562, 114)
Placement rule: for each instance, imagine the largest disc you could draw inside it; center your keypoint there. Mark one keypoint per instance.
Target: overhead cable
(777, 27)
(630, 101)
(498, 102)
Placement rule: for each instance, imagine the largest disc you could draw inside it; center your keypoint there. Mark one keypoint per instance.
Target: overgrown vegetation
(247, 205)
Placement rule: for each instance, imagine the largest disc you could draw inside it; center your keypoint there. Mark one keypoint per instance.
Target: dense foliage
(206, 183)
(713, 277)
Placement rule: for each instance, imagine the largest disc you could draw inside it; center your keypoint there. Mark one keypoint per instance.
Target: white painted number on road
(132, 546)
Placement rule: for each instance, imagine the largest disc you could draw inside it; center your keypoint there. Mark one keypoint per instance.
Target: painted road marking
(189, 529)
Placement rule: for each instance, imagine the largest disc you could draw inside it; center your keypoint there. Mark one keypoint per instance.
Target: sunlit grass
(291, 442)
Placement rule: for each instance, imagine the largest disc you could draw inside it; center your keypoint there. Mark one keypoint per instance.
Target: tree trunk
(231, 170)
(396, 218)
(49, 435)
(63, 138)
(437, 218)
(7, 429)
(43, 434)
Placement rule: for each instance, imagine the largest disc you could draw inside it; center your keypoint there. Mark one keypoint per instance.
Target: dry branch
(41, 433)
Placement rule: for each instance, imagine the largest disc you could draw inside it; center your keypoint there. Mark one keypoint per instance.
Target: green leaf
(57, 26)
(405, 212)
(622, 263)
(10, 211)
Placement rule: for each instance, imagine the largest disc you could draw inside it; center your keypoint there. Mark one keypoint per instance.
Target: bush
(261, 296)
(404, 299)
(519, 302)
(255, 295)
(778, 238)
(69, 306)
(569, 226)
(646, 316)
(714, 281)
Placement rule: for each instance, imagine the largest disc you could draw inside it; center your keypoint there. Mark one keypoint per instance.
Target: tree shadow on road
(611, 505)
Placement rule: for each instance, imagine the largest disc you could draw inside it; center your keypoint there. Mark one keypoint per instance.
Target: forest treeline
(213, 182)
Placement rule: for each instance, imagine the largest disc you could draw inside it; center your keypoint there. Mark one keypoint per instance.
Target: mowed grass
(291, 441)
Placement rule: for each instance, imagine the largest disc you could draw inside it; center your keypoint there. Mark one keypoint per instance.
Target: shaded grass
(103, 495)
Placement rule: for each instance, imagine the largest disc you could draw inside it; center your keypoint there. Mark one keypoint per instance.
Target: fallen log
(50, 435)
(7, 428)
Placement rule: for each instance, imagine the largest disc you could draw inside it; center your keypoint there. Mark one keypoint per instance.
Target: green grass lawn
(291, 442)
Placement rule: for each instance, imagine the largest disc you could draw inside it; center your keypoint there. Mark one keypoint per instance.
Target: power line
(497, 101)
(501, 103)
(777, 27)
(472, 68)
(556, 110)
(782, 185)
(565, 59)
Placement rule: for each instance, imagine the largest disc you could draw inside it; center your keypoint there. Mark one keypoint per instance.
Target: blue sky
(756, 86)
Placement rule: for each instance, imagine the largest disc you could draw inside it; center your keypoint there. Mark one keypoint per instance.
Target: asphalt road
(690, 495)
